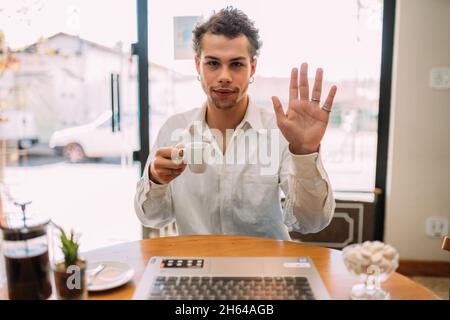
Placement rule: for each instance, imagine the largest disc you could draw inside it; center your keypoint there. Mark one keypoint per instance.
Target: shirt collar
(253, 117)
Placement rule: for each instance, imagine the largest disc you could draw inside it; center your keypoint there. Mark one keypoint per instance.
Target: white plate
(114, 275)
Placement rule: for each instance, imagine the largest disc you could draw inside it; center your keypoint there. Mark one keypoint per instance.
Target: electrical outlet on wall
(440, 78)
(436, 227)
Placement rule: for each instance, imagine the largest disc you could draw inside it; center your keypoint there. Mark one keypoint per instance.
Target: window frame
(389, 6)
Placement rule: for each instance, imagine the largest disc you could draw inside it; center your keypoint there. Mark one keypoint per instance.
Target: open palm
(305, 122)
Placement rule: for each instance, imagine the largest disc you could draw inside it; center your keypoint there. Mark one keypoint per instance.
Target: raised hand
(305, 122)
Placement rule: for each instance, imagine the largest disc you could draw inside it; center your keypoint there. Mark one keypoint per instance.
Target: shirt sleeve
(152, 201)
(309, 204)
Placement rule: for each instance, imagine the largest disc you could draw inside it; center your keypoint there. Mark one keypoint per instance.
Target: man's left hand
(305, 122)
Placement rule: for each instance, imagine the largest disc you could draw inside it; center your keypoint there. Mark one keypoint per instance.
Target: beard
(224, 104)
(228, 102)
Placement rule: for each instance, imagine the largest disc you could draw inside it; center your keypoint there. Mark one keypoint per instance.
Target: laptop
(231, 278)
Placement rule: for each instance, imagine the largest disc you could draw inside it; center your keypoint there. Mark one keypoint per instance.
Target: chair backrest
(446, 244)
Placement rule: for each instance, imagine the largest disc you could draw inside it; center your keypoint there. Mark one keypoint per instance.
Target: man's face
(225, 68)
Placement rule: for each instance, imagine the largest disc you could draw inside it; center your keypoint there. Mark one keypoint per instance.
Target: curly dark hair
(231, 23)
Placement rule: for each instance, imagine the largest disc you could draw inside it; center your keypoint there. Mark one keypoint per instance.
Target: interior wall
(418, 183)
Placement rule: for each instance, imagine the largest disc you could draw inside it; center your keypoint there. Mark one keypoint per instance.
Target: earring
(198, 77)
(251, 80)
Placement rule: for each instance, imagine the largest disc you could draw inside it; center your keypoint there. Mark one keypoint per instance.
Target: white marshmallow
(376, 257)
(358, 258)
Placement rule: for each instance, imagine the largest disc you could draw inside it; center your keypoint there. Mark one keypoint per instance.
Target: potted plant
(70, 274)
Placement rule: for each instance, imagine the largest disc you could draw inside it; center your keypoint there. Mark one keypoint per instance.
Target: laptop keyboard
(231, 288)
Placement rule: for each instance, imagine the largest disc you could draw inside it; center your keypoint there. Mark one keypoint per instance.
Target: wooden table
(328, 261)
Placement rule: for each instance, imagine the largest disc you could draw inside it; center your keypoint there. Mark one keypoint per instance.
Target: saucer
(115, 274)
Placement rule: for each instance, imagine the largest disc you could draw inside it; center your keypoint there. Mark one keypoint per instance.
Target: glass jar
(372, 262)
(25, 255)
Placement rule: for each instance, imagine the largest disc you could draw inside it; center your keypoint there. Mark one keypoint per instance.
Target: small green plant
(69, 248)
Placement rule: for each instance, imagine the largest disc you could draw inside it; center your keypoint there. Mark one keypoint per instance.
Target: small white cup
(196, 155)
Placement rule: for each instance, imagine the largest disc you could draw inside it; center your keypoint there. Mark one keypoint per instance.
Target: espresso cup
(196, 155)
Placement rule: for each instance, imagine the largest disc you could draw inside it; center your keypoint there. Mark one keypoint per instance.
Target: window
(342, 37)
(63, 55)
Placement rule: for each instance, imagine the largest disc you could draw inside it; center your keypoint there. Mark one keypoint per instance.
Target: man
(231, 198)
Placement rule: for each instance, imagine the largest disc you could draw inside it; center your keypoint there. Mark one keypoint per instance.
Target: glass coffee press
(25, 254)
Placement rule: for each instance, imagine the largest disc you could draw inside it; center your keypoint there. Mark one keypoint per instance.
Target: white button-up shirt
(237, 195)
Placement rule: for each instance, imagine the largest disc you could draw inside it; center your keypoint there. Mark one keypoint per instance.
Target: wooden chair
(167, 231)
(446, 246)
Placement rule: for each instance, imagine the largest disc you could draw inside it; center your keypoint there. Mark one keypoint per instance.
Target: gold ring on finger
(315, 100)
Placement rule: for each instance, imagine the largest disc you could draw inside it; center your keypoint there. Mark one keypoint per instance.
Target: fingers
(174, 153)
(160, 162)
(317, 89)
(278, 108)
(329, 102)
(164, 176)
(165, 152)
(293, 85)
(178, 146)
(170, 172)
(163, 169)
(304, 85)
